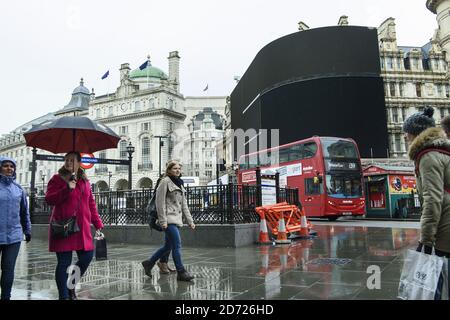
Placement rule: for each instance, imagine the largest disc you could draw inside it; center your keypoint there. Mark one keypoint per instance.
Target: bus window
(309, 150)
(295, 153)
(284, 155)
(339, 149)
(312, 188)
(343, 187)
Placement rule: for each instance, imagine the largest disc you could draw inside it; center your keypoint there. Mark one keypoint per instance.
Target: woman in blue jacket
(14, 222)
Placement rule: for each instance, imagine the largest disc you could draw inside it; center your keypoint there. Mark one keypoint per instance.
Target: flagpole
(148, 62)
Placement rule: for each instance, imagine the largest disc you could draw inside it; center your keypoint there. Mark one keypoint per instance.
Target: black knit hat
(419, 121)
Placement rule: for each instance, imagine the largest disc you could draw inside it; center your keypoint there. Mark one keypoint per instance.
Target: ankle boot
(163, 267)
(148, 266)
(184, 276)
(171, 269)
(72, 294)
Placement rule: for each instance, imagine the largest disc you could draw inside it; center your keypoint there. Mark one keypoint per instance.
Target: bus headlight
(331, 203)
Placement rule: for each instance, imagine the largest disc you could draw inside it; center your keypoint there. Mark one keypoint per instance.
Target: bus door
(311, 195)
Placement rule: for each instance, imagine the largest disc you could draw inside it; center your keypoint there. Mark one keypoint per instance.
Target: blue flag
(105, 75)
(144, 65)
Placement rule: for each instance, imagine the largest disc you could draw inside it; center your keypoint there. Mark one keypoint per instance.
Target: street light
(161, 144)
(130, 150)
(109, 181)
(43, 183)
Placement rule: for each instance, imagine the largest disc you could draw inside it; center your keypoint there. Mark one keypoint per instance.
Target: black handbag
(61, 229)
(153, 215)
(64, 228)
(151, 211)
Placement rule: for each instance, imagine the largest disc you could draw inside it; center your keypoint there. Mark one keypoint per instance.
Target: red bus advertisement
(326, 170)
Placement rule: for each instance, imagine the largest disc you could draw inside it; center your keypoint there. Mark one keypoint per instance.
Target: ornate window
(145, 152)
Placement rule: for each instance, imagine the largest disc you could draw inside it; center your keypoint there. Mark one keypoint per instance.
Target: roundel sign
(87, 165)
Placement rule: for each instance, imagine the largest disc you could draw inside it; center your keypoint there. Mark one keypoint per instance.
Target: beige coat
(171, 203)
(432, 182)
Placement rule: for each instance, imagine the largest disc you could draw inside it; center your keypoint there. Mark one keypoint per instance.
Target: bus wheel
(332, 218)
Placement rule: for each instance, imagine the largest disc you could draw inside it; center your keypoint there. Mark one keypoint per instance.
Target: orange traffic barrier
(263, 233)
(281, 235)
(294, 219)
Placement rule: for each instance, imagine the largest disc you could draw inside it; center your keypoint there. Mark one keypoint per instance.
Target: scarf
(177, 180)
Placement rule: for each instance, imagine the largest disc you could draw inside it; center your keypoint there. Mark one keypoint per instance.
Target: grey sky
(48, 45)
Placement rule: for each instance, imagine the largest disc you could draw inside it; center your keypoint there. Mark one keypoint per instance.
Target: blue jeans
(9, 253)
(64, 261)
(172, 243)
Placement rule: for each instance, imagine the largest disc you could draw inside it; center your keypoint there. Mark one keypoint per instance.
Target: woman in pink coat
(71, 194)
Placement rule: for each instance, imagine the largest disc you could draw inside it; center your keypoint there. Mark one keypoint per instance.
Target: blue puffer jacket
(14, 214)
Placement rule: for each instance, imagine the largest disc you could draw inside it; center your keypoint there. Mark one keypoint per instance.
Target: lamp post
(130, 150)
(161, 144)
(109, 180)
(43, 183)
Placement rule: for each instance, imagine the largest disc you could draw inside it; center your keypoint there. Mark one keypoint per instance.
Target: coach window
(309, 150)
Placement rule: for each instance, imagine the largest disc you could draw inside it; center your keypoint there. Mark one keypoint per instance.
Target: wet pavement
(333, 265)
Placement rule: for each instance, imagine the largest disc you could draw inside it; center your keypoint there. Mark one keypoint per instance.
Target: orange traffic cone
(304, 231)
(281, 236)
(263, 233)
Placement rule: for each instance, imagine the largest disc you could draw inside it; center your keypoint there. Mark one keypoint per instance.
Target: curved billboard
(323, 81)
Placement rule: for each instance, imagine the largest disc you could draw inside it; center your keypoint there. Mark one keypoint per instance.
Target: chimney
(174, 70)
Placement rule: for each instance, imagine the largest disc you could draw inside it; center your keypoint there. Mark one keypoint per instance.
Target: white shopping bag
(420, 276)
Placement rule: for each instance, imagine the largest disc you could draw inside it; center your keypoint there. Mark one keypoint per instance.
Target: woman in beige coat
(171, 205)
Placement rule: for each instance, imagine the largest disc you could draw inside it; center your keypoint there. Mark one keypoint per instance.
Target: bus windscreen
(333, 148)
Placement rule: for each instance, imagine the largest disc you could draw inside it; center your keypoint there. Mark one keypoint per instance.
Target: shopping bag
(420, 276)
(101, 252)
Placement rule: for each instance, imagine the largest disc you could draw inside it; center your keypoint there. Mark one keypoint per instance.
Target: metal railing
(221, 204)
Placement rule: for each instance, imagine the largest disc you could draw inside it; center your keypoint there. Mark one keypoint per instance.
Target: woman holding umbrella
(70, 193)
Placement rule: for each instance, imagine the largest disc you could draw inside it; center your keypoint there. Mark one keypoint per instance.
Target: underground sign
(87, 165)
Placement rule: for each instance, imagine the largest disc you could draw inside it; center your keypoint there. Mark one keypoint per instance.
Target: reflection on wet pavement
(331, 266)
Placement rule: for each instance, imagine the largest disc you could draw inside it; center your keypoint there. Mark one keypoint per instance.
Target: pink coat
(65, 203)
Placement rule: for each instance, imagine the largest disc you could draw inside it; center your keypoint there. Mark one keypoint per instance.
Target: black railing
(221, 204)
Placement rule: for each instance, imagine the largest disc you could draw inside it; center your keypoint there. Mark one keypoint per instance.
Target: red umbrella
(67, 134)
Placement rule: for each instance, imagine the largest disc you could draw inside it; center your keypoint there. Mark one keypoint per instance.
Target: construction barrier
(294, 219)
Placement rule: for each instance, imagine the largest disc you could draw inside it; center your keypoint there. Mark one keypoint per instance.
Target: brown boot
(170, 269)
(163, 267)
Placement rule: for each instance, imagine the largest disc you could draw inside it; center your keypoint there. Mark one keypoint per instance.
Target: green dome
(151, 72)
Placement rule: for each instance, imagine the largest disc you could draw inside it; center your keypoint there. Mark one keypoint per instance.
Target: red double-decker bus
(326, 170)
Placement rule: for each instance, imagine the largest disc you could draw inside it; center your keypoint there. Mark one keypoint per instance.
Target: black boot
(72, 294)
(184, 276)
(148, 266)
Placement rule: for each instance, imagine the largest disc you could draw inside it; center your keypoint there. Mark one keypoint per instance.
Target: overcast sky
(48, 45)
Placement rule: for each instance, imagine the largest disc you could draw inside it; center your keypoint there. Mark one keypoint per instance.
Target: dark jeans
(172, 243)
(439, 253)
(64, 261)
(9, 253)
